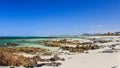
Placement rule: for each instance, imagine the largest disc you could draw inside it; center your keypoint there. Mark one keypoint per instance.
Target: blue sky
(58, 17)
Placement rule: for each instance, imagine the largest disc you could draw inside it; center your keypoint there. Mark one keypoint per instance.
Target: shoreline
(107, 56)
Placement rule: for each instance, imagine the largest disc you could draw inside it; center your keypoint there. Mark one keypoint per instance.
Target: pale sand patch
(92, 60)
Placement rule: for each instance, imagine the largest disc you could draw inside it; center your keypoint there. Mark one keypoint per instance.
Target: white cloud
(99, 26)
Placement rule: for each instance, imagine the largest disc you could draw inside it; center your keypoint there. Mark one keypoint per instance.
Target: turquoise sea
(27, 42)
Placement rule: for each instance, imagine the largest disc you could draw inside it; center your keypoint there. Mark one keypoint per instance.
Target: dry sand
(91, 60)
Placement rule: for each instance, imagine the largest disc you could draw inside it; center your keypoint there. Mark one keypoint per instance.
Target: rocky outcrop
(55, 64)
(61, 42)
(11, 44)
(52, 44)
(80, 49)
(29, 50)
(9, 59)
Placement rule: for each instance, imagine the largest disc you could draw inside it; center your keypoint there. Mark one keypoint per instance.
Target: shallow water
(29, 41)
(37, 42)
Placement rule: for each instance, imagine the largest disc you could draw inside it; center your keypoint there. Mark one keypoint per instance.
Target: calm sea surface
(28, 41)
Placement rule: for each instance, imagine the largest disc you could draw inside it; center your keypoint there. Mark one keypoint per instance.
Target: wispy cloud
(99, 26)
(94, 26)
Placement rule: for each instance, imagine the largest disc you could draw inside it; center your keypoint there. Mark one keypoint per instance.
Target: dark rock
(55, 64)
(56, 58)
(29, 67)
(80, 49)
(110, 51)
(11, 44)
(12, 67)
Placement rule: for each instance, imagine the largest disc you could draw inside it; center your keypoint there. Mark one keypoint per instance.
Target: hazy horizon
(58, 17)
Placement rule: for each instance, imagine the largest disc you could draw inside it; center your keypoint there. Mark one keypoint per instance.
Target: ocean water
(30, 41)
(27, 42)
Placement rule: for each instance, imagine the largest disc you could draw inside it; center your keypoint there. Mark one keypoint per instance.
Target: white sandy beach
(90, 60)
(93, 59)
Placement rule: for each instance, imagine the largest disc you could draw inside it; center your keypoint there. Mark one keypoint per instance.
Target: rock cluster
(29, 50)
(9, 59)
(52, 44)
(59, 43)
(11, 44)
(100, 40)
(80, 49)
(111, 50)
(55, 64)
